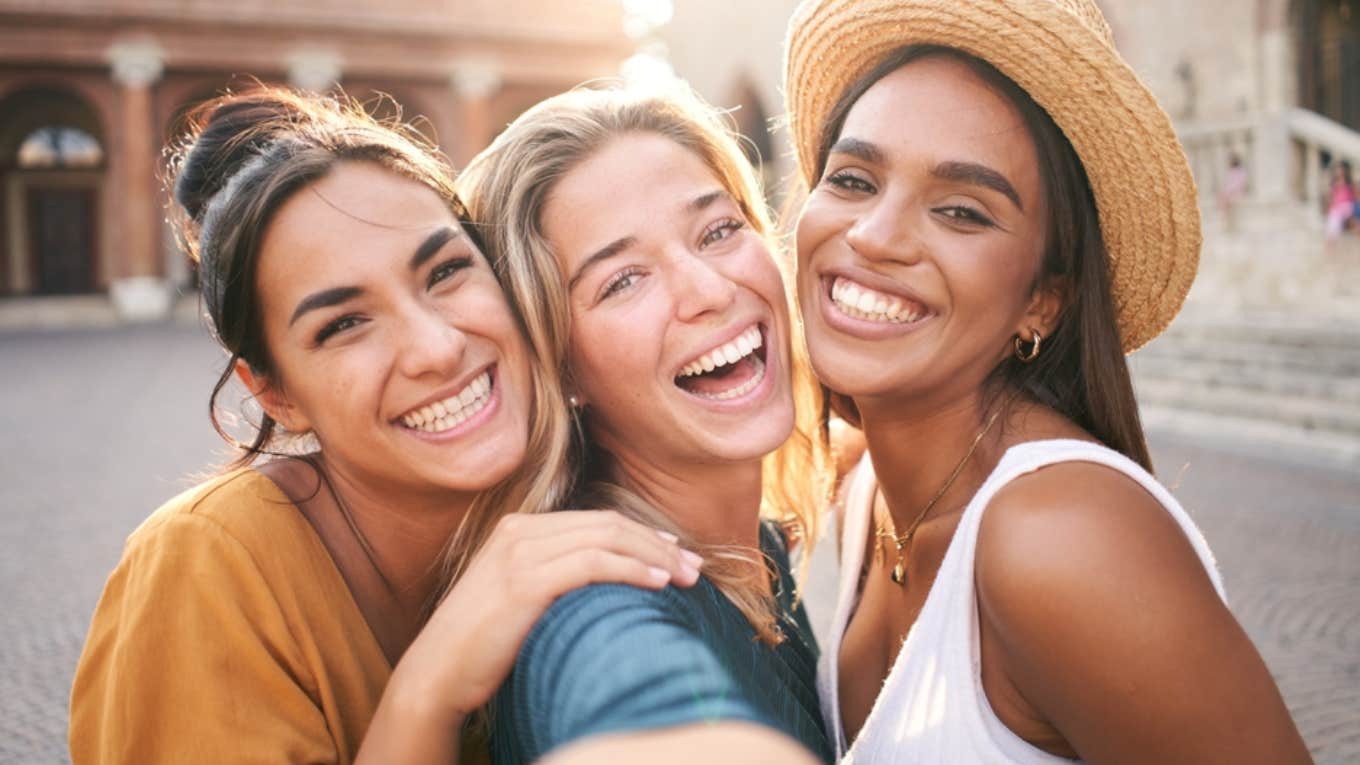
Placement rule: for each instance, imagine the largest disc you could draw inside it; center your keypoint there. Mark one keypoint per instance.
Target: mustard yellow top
(226, 634)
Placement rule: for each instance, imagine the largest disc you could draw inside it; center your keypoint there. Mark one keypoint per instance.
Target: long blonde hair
(506, 188)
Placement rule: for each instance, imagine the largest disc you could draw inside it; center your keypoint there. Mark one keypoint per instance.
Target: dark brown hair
(1081, 371)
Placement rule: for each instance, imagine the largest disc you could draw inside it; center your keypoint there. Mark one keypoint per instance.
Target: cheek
(815, 226)
(994, 280)
(761, 270)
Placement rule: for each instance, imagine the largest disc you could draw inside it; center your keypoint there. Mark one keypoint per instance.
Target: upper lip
(732, 332)
(874, 281)
(445, 392)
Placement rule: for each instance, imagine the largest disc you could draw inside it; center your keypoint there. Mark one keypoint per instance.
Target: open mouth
(729, 371)
(454, 410)
(860, 302)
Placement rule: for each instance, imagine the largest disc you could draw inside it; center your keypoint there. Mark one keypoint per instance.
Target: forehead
(359, 215)
(626, 188)
(939, 106)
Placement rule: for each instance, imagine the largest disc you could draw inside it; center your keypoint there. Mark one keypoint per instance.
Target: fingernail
(666, 535)
(688, 573)
(692, 559)
(658, 575)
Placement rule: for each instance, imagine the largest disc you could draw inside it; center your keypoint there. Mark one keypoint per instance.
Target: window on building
(59, 147)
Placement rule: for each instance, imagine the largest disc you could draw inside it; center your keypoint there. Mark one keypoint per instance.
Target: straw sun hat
(1060, 52)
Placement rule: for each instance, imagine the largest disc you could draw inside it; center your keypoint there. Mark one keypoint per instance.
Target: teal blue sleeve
(612, 658)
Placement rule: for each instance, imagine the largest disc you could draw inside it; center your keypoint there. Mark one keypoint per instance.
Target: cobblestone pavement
(101, 426)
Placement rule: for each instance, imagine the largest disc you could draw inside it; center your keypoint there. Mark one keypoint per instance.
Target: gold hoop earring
(1033, 353)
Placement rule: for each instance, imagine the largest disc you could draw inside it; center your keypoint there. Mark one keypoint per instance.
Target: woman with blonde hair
(997, 212)
(633, 234)
(270, 613)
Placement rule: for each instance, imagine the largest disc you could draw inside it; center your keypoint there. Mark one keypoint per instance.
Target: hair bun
(228, 132)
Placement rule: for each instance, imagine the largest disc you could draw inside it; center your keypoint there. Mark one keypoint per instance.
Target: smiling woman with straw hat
(997, 212)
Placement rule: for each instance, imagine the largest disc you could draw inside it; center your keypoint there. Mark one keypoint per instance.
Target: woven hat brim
(1144, 191)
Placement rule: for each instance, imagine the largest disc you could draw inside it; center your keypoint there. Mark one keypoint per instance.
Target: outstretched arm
(718, 742)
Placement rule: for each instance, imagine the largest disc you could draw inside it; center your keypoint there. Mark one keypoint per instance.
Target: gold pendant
(899, 573)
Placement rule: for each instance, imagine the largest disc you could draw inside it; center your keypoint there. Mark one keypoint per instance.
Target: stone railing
(1209, 145)
(1282, 153)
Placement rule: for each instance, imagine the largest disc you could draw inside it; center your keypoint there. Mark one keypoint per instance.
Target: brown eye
(447, 270)
(848, 181)
(341, 324)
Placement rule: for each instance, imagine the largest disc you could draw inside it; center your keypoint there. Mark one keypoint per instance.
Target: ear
(271, 399)
(1045, 307)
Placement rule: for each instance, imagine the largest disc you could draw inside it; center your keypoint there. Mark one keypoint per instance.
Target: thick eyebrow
(335, 295)
(698, 204)
(324, 299)
(432, 244)
(701, 202)
(859, 149)
(977, 175)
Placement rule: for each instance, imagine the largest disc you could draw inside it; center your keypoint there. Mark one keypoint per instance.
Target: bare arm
(719, 742)
(1101, 625)
(469, 645)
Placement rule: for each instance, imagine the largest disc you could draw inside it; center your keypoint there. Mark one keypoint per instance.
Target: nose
(430, 343)
(699, 286)
(883, 232)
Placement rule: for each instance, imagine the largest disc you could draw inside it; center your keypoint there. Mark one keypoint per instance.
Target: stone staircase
(1265, 382)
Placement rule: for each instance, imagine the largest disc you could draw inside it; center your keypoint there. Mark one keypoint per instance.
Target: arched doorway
(1328, 44)
(52, 164)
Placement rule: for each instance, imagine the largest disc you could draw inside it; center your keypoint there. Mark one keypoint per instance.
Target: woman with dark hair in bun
(263, 615)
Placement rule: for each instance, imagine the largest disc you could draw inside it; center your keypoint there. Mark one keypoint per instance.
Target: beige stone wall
(1202, 59)
(715, 43)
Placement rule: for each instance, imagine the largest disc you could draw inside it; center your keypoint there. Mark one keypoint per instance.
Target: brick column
(138, 291)
(475, 82)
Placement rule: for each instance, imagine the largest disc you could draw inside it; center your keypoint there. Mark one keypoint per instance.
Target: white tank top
(933, 708)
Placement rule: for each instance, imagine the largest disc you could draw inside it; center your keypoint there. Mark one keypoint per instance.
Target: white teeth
(740, 390)
(860, 302)
(452, 411)
(728, 353)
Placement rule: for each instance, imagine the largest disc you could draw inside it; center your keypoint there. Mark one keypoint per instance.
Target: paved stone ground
(97, 427)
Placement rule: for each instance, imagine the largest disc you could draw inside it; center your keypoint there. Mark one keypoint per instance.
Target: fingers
(580, 567)
(680, 565)
(528, 540)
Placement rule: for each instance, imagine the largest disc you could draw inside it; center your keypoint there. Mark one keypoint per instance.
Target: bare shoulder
(1086, 546)
(1096, 608)
(1076, 519)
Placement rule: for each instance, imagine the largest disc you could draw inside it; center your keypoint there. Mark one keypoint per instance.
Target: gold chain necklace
(899, 569)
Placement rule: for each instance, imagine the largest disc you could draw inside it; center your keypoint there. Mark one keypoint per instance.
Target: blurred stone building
(1273, 85)
(91, 90)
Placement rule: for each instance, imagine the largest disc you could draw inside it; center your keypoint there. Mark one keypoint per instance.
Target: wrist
(420, 695)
